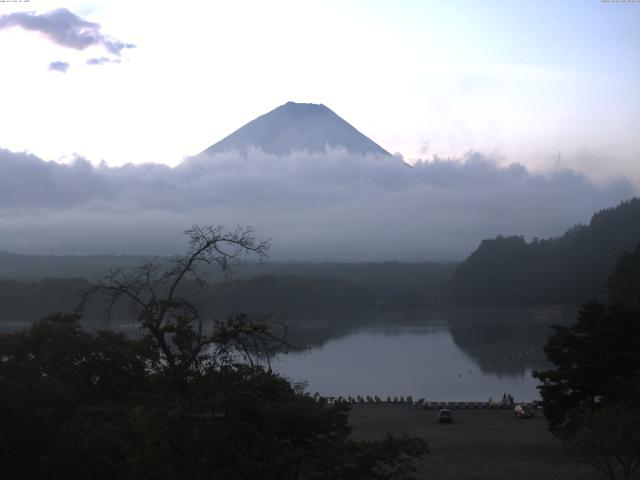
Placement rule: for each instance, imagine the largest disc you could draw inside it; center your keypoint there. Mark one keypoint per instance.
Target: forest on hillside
(570, 269)
(33, 286)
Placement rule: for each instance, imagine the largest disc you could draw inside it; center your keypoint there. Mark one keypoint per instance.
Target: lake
(461, 356)
(449, 355)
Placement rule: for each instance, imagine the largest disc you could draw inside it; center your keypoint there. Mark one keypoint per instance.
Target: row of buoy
(508, 358)
(420, 403)
(365, 399)
(465, 406)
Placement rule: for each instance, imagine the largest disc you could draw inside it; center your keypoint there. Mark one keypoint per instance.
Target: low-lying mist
(315, 206)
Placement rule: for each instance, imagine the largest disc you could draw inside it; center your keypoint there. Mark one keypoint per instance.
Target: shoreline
(479, 444)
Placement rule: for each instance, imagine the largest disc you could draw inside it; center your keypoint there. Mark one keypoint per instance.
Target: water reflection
(448, 355)
(445, 355)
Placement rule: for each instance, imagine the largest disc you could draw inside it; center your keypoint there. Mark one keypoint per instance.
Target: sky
(542, 83)
(519, 118)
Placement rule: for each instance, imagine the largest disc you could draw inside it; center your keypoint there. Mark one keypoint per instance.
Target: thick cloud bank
(320, 206)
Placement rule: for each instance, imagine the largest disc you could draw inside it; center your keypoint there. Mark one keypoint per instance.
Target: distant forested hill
(37, 267)
(29, 300)
(26, 301)
(274, 288)
(570, 269)
(392, 284)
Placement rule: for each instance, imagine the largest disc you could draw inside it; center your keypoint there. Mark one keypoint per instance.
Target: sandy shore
(480, 444)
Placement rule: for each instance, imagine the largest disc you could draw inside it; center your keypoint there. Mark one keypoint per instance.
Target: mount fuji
(298, 127)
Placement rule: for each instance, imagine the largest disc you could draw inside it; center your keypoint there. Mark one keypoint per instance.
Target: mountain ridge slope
(297, 127)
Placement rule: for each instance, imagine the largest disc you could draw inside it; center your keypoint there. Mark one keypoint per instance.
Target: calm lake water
(468, 355)
(437, 360)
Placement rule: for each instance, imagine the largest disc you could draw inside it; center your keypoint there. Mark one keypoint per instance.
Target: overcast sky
(543, 83)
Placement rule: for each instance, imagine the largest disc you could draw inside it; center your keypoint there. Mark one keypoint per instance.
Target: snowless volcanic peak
(297, 127)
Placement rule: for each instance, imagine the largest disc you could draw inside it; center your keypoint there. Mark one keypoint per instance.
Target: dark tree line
(278, 288)
(189, 398)
(570, 269)
(25, 301)
(591, 396)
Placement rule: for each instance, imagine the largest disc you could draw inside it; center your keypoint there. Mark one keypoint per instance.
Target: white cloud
(64, 28)
(333, 205)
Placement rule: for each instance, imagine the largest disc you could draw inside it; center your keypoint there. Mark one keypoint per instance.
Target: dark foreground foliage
(597, 363)
(190, 398)
(597, 359)
(609, 441)
(591, 397)
(100, 405)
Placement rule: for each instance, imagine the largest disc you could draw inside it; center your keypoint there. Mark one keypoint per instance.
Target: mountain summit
(297, 126)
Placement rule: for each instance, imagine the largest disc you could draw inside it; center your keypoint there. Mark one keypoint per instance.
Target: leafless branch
(152, 290)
